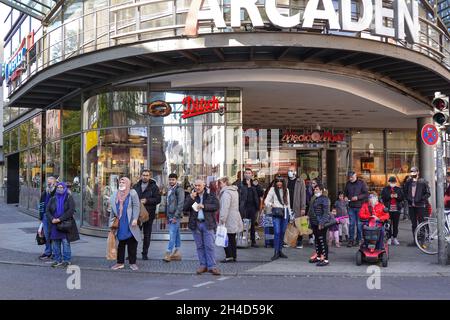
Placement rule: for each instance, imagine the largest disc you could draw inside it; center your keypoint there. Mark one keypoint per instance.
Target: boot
(176, 255)
(282, 255)
(167, 257)
(276, 255)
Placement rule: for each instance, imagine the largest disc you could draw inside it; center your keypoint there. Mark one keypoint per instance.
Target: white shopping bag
(41, 226)
(221, 236)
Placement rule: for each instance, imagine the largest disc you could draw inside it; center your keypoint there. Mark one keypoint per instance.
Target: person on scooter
(374, 208)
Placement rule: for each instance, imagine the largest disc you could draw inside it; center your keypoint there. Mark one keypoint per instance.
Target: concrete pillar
(426, 160)
(332, 174)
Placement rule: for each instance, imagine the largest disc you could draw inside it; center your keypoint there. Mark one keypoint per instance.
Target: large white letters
(278, 19)
(252, 10)
(380, 13)
(363, 22)
(312, 12)
(411, 18)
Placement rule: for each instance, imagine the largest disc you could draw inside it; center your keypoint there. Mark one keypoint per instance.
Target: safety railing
(158, 19)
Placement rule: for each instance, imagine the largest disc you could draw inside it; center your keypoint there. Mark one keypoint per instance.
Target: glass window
(23, 178)
(72, 169)
(14, 113)
(400, 162)
(36, 130)
(53, 159)
(369, 165)
(110, 154)
(53, 124)
(24, 135)
(6, 142)
(14, 140)
(71, 120)
(367, 140)
(35, 163)
(402, 140)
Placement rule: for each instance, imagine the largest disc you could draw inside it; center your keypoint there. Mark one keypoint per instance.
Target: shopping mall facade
(100, 91)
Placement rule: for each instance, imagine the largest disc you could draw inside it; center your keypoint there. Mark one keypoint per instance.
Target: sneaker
(167, 257)
(56, 264)
(176, 255)
(396, 243)
(350, 243)
(311, 241)
(45, 257)
(300, 246)
(117, 266)
(275, 257)
(226, 260)
(389, 242)
(322, 263)
(134, 267)
(65, 264)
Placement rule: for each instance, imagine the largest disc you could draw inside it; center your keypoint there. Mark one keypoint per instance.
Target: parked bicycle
(426, 235)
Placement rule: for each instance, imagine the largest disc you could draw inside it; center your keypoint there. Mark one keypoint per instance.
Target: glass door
(308, 164)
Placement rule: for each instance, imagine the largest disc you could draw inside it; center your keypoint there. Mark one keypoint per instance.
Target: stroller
(368, 250)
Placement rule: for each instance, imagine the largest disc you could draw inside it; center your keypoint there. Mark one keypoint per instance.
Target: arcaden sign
(372, 16)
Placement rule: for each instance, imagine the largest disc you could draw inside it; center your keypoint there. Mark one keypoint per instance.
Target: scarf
(60, 198)
(122, 195)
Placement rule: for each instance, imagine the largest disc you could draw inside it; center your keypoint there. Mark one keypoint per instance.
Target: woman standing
(61, 209)
(393, 198)
(319, 215)
(230, 216)
(125, 207)
(278, 200)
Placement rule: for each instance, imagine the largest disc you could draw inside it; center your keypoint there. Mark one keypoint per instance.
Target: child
(333, 232)
(342, 212)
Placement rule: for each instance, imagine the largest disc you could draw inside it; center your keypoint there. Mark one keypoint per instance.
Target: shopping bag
(40, 237)
(302, 225)
(143, 214)
(111, 251)
(221, 236)
(291, 235)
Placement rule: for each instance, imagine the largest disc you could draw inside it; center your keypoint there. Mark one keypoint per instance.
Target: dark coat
(256, 191)
(211, 204)
(422, 192)
(69, 212)
(151, 193)
(356, 189)
(386, 197)
(319, 211)
(42, 204)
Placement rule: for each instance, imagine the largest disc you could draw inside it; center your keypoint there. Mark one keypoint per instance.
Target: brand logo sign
(316, 136)
(372, 15)
(195, 107)
(17, 63)
(159, 108)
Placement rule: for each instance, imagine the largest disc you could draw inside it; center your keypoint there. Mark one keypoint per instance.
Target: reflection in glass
(23, 178)
(53, 159)
(36, 177)
(72, 169)
(14, 140)
(53, 125)
(36, 130)
(23, 135)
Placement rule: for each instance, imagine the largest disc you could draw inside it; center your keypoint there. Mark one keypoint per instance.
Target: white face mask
(317, 194)
(392, 185)
(291, 174)
(373, 201)
(122, 188)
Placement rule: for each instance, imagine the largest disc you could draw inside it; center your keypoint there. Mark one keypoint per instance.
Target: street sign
(430, 134)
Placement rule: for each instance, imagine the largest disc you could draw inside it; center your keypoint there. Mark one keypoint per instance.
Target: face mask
(414, 174)
(392, 185)
(291, 174)
(122, 188)
(60, 191)
(317, 194)
(374, 201)
(248, 176)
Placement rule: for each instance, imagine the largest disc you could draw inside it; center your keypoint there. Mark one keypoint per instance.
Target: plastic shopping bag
(302, 224)
(111, 252)
(291, 235)
(221, 236)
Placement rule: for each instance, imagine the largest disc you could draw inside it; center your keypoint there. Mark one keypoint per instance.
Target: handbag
(115, 224)
(40, 237)
(65, 226)
(277, 213)
(143, 215)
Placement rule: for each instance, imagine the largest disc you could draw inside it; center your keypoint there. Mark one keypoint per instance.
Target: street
(33, 282)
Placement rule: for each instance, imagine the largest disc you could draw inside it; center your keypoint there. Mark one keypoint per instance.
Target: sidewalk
(18, 246)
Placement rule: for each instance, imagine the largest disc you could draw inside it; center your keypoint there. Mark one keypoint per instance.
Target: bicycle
(426, 234)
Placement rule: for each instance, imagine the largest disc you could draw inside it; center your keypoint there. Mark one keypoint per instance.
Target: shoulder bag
(65, 226)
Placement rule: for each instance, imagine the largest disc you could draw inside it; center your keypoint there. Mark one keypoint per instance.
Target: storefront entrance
(309, 164)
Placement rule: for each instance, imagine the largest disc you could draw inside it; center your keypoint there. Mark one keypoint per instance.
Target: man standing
(174, 214)
(149, 195)
(48, 193)
(297, 194)
(357, 193)
(202, 207)
(417, 193)
(250, 193)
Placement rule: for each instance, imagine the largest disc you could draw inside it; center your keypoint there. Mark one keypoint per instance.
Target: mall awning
(35, 8)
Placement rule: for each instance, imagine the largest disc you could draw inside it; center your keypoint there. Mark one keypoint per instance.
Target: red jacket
(364, 213)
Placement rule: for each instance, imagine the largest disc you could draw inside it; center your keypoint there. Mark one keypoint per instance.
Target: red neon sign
(291, 137)
(196, 107)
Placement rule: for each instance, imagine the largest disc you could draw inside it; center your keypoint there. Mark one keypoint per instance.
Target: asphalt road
(32, 282)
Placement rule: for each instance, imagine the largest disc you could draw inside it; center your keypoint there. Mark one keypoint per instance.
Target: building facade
(106, 88)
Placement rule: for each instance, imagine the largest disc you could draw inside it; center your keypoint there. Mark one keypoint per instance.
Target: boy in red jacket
(375, 208)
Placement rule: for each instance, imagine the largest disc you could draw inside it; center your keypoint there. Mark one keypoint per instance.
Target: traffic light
(441, 110)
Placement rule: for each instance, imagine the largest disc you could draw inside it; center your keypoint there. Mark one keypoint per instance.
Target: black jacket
(211, 204)
(358, 189)
(69, 211)
(319, 211)
(43, 205)
(151, 193)
(386, 197)
(422, 192)
(257, 193)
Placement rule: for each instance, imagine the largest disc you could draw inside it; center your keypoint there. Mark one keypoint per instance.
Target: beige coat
(299, 197)
(229, 209)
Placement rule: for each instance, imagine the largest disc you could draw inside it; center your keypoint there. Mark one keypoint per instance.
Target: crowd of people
(227, 204)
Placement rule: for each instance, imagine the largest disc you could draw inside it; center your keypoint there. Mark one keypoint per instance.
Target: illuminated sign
(159, 108)
(372, 15)
(17, 63)
(316, 136)
(196, 107)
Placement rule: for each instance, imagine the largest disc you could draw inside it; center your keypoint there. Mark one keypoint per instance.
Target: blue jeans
(204, 240)
(48, 245)
(174, 236)
(279, 228)
(67, 253)
(353, 214)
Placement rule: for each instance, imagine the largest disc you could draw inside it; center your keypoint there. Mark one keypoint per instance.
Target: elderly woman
(60, 211)
(125, 207)
(230, 216)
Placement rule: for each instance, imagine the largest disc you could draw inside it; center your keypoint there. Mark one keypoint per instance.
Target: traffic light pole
(442, 250)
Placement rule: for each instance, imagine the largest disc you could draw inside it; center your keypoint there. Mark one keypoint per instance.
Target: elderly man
(202, 207)
(48, 193)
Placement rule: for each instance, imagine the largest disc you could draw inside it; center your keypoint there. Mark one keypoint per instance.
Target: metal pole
(442, 252)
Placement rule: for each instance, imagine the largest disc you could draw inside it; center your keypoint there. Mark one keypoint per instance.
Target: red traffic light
(440, 104)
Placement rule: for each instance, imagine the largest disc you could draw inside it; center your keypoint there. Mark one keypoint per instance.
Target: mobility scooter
(368, 251)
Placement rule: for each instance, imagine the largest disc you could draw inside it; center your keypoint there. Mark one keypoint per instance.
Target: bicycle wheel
(426, 237)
